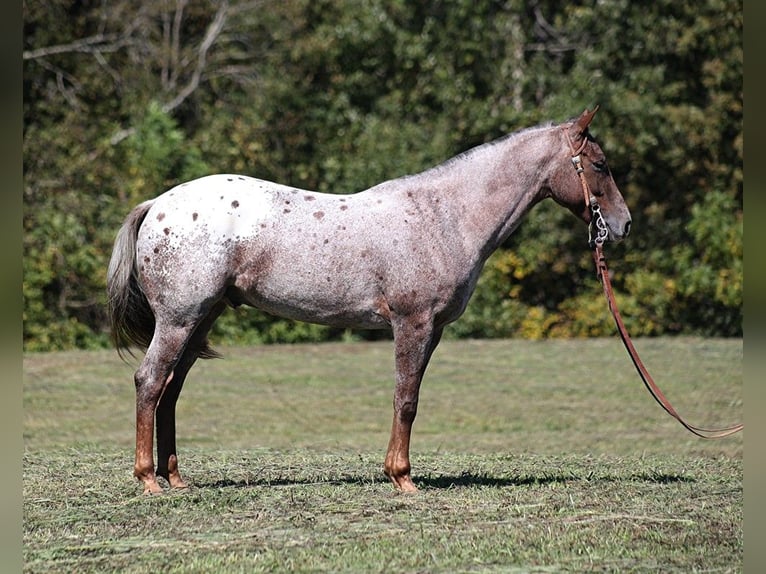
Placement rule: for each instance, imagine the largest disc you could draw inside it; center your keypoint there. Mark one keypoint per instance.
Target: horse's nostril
(627, 229)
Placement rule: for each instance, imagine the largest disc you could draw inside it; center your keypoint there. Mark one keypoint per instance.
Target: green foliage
(157, 156)
(711, 270)
(245, 326)
(338, 95)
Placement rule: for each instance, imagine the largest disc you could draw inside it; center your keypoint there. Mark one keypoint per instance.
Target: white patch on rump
(224, 206)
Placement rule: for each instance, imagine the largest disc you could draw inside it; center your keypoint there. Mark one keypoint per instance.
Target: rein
(596, 243)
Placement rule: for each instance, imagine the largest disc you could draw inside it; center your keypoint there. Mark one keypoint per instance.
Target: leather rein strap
(602, 272)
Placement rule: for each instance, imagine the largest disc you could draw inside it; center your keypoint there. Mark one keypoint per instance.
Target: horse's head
(586, 177)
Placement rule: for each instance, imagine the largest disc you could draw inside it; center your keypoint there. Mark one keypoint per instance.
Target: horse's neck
(493, 187)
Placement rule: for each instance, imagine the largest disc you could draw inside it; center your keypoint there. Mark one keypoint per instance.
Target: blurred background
(125, 99)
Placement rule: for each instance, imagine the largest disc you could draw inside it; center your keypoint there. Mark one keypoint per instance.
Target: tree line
(127, 99)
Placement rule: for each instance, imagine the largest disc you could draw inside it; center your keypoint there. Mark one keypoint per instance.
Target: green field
(531, 457)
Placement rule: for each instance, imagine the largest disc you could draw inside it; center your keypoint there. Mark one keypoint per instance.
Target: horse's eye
(600, 166)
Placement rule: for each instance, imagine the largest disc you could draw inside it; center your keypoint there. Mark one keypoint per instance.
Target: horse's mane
(467, 154)
(461, 157)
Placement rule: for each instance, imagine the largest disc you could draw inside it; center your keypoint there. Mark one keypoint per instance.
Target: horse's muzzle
(616, 234)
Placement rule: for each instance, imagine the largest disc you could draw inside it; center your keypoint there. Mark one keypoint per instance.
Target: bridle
(598, 224)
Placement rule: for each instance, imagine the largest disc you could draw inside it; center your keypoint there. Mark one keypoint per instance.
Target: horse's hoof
(152, 488)
(405, 485)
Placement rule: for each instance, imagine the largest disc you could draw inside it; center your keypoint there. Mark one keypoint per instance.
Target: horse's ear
(581, 124)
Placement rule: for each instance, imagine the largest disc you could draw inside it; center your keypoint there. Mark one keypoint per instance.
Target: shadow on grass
(468, 479)
(463, 480)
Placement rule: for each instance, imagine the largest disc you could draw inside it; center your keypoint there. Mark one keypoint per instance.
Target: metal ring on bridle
(597, 221)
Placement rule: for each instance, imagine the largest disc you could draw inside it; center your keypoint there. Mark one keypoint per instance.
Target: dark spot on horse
(229, 179)
(241, 178)
(195, 216)
(319, 214)
(235, 204)
(263, 226)
(285, 210)
(221, 197)
(156, 249)
(309, 197)
(160, 216)
(326, 241)
(409, 194)
(343, 207)
(287, 202)
(342, 199)
(146, 259)
(166, 231)
(364, 253)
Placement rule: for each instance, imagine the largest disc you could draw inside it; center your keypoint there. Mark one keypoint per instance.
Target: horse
(403, 255)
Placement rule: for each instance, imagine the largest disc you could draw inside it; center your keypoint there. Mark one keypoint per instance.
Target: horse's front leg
(414, 341)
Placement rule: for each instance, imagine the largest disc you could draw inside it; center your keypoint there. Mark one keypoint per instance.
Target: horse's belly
(326, 308)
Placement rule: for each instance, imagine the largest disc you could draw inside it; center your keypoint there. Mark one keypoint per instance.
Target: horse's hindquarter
(188, 239)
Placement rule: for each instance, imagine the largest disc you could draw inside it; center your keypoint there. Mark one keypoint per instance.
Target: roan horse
(403, 255)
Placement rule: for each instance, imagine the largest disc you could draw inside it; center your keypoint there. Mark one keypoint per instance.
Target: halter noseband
(597, 219)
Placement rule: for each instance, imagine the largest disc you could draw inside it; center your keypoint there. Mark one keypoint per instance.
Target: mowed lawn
(544, 456)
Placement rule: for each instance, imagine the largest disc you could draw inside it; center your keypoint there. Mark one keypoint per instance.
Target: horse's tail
(130, 315)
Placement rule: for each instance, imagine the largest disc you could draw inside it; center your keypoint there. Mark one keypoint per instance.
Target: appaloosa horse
(403, 255)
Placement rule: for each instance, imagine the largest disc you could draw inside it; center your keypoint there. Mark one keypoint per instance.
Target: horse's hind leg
(167, 457)
(151, 378)
(414, 341)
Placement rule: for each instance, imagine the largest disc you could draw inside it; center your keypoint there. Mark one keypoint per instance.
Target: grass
(531, 457)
